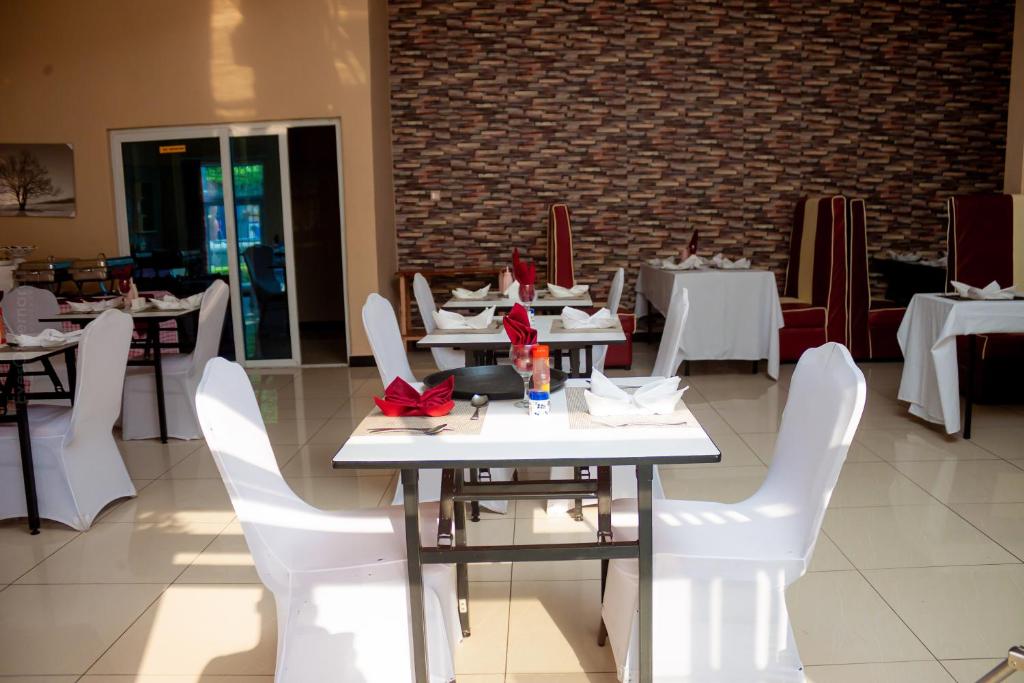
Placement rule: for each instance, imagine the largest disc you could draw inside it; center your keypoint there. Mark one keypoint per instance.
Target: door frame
(223, 132)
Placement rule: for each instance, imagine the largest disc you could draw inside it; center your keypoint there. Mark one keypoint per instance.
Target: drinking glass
(521, 356)
(527, 293)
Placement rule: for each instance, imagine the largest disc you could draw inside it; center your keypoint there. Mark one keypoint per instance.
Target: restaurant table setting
(449, 320)
(990, 292)
(573, 292)
(475, 294)
(575, 319)
(48, 338)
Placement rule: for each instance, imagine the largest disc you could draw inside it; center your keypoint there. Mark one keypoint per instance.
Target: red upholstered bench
(873, 322)
(814, 301)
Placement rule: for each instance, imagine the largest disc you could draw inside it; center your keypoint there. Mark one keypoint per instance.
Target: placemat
(558, 325)
(493, 328)
(491, 296)
(580, 418)
(458, 421)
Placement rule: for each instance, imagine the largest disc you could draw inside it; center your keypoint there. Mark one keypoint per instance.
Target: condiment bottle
(541, 369)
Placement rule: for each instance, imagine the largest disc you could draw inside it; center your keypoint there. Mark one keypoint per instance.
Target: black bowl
(497, 382)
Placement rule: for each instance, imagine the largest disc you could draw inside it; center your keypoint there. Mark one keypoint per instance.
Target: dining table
(544, 301)
(151, 344)
(735, 314)
(484, 343)
(14, 392)
(507, 436)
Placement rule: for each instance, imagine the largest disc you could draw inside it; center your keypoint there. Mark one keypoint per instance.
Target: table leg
(52, 374)
(28, 470)
(153, 332)
(604, 532)
(474, 507)
(644, 477)
(589, 367)
(414, 562)
(574, 363)
(461, 570)
(686, 368)
(754, 367)
(69, 362)
(972, 350)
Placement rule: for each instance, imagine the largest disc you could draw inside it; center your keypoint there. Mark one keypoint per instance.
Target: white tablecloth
(734, 314)
(927, 337)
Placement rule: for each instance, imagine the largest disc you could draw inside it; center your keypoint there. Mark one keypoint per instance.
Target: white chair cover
(389, 354)
(22, 308)
(670, 350)
(444, 359)
(338, 578)
(614, 296)
(78, 467)
(182, 372)
(720, 571)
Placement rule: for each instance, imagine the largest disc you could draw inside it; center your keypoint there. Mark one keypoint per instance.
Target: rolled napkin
(449, 320)
(169, 302)
(657, 397)
(94, 306)
(517, 326)
(525, 272)
(402, 400)
(461, 293)
(692, 263)
(991, 291)
(720, 261)
(46, 338)
(575, 319)
(573, 292)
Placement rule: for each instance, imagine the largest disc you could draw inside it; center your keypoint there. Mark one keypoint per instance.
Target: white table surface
(148, 313)
(541, 323)
(16, 354)
(510, 437)
(505, 302)
(927, 337)
(734, 314)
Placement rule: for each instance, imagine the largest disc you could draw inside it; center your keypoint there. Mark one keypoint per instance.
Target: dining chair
(444, 359)
(181, 373)
(614, 297)
(721, 570)
(872, 322)
(389, 354)
(78, 467)
(23, 307)
(339, 579)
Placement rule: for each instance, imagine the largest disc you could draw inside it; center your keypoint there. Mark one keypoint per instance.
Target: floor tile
(969, 670)
(342, 493)
(559, 529)
(760, 414)
(1006, 442)
(175, 501)
(196, 678)
(763, 445)
(876, 483)
(560, 678)
(38, 679)
(200, 464)
(892, 672)
(126, 553)
(1002, 522)
(148, 459)
(484, 651)
(910, 536)
(839, 619)
(293, 431)
(735, 453)
(20, 551)
(958, 612)
(916, 444)
(334, 432)
(553, 628)
(300, 409)
(355, 409)
(199, 629)
(985, 481)
(315, 460)
(721, 484)
(225, 560)
(827, 556)
(491, 531)
(63, 629)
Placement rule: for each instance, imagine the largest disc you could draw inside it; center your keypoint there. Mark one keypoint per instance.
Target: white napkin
(169, 302)
(657, 397)
(461, 293)
(691, 263)
(989, 291)
(449, 320)
(575, 319)
(573, 292)
(512, 291)
(46, 338)
(904, 256)
(94, 306)
(139, 304)
(720, 261)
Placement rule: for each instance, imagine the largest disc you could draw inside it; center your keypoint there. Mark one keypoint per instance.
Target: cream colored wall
(72, 71)
(1013, 176)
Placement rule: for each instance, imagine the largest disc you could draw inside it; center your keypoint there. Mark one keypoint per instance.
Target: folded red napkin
(525, 272)
(402, 400)
(517, 326)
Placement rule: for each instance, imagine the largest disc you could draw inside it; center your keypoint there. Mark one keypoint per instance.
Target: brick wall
(650, 119)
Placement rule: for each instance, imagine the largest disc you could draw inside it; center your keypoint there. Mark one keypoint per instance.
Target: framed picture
(37, 180)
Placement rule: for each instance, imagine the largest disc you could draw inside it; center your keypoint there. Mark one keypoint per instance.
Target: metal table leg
(972, 349)
(153, 333)
(461, 569)
(644, 477)
(28, 471)
(414, 562)
(69, 362)
(588, 368)
(474, 507)
(604, 532)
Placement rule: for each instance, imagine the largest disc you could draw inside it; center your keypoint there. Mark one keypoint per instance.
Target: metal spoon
(426, 431)
(478, 401)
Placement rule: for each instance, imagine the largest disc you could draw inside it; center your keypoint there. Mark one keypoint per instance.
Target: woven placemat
(458, 421)
(493, 328)
(580, 417)
(558, 325)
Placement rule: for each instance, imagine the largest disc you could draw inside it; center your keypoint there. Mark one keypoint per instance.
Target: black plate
(497, 382)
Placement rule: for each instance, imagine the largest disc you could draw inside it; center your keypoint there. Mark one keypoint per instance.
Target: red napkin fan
(517, 326)
(525, 272)
(402, 400)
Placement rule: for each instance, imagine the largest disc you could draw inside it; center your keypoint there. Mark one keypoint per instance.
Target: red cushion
(621, 355)
(883, 323)
(1001, 345)
(793, 341)
(802, 315)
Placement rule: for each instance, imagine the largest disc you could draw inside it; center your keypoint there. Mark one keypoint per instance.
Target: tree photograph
(37, 180)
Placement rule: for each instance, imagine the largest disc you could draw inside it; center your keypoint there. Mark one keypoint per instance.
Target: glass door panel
(260, 246)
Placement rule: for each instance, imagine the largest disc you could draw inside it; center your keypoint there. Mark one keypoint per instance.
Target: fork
(426, 431)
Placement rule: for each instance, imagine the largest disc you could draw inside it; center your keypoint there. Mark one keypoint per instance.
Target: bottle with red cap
(540, 394)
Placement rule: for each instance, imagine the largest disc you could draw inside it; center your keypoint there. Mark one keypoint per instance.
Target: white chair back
(24, 306)
(102, 357)
(211, 324)
(826, 400)
(424, 302)
(670, 351)
(386, 340)
(615, 292)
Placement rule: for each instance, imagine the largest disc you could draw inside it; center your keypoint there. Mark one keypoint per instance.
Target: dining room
(493, 341)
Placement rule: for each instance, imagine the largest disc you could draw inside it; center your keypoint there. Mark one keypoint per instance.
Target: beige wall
(1013, 177)
(72, 71)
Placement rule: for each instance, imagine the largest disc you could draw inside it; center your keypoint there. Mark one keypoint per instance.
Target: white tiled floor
(917, 575)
